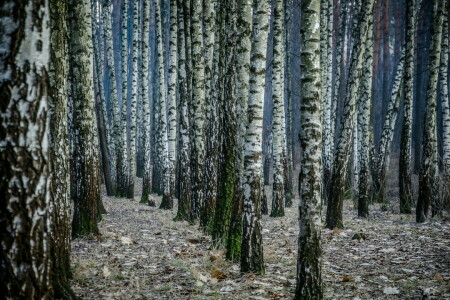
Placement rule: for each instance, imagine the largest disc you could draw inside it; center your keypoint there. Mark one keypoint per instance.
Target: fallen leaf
(336, 231)
(216, 273)
(391, 291)
(126, 240)
(438, 277)
(347, 278)
(106, 272)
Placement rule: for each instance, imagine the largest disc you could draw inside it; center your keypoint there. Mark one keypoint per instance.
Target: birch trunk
(99, 100)
(252, 248)
(25, 183)
(167, 200)
(428, 175)
(198, 107)
(121, 146)
(444, 100)
(337, 185)
(133, 103)
(224, 88)
(309, 263)
(406, 140)
(211, 50)
(59, 153)
(278, 119)
(243, 50)
(184, 178)
(364, 123)
(147, 178)
(172, 109)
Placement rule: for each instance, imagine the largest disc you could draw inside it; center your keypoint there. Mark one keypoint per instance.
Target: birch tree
(114, 99)
(406, 140)
(198, 107)
(225, 82)
(59, 152)
(428, 175)
(337, 185)
(24, 153)
(278, 120)
(252, 248)
(184, 178)
(167, 200)
(212, 122)
(147, 178)
(121, 148)
(364, 115)
(86, 179)
(133, 103)
(172, 109)
(444, 100)
(243, 50)
(309, 263)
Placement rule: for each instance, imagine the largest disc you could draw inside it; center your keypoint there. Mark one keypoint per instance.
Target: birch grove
(201, 145)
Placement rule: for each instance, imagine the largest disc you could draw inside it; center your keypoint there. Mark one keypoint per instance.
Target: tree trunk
(444, 100)
(163, 152)
(428, 175)
(25, 183)
(338, 177)
(278, 119)
(252, 249)
(405, 167)
(364, 123)
(184, 178)
(243, 50)
(121, 146)
(99, 101)
(309, 263)
(147, 178)
(212, 56)
(133, 104)
(172, 109)
(86, 179)
(198, 107)
(59, 153)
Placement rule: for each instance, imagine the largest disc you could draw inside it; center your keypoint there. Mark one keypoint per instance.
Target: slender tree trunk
(25, 183)
(86, 179)
(147, 178)
(278, 120)
(309, 263)
(172, 109)
(243, 50)
(212, 54)
(133, 104)
(444, 100)
(287, 7)
(99, 100)
(225, 70)
(252, 249)
(163, 152)
(184, 178)
(405, 167)
(59, 153)
(338, 177)
(198, 107)
(364, 123)
(340, 45)
(428, 175)
(121, 146)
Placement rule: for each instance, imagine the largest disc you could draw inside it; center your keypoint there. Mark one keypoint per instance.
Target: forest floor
(143, 254)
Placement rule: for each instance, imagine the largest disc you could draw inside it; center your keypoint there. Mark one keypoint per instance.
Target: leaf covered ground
(143, 254)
